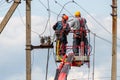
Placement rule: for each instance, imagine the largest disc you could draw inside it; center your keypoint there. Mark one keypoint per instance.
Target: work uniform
(78, 26)
(62, 29)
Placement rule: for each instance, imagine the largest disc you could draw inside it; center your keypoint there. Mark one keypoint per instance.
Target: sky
(13, 39)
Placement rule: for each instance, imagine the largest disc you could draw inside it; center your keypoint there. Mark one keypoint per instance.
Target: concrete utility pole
(9, 14)
(114, 40)
(28, 39)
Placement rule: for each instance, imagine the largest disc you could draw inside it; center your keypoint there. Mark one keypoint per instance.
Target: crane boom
(9, 14)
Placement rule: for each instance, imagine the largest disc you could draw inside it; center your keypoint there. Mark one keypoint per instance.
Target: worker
(62, 29)
(78, 25)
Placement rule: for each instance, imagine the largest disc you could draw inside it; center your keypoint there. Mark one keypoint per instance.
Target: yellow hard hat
(77, 13)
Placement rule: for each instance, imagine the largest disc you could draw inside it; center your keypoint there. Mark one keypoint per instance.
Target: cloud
(77, 73)
(37, 74)
(13, 38)
(16, 77)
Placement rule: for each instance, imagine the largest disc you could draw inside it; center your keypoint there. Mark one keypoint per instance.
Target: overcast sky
(12, 39)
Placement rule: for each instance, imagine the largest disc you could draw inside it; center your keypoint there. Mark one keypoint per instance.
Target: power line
(94, 19)
(46, 26)
(63, 7)
(48, 48)
(24, 22)
(47, 8)
(103, 39)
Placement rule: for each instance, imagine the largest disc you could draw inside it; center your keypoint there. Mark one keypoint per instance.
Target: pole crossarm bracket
(42, 46)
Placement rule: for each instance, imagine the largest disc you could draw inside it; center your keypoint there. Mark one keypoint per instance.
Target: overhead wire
(47, 8)
(94, 19)
(89, 15)
(90, 31)
(24, 22)
(103, 39)
(48, 20)
(99, 24)
(48, 48)
(63, 7)
(96, 36)
(49, 15)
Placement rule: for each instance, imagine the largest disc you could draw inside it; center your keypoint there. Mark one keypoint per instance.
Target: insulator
(42, 40)
(48, 40)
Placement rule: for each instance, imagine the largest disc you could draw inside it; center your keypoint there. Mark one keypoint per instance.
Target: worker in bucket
(78, 25)
(62, 29)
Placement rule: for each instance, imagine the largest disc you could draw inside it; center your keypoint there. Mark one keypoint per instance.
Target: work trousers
(76, 45)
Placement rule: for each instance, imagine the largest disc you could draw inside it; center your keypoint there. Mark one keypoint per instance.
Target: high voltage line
(48, 9)
(49, 19)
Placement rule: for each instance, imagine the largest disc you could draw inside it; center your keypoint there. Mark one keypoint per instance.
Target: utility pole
(28, 39)
(114, 40)
(9, 14)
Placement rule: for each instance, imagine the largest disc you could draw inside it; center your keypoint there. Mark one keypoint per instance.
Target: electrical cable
(49, 15)
(63, 7)
(47, 65)
(47, 8)
(24, 22)
(104, 39)
(101, 37)
(48, 48)
(94, 19)
(47, 24)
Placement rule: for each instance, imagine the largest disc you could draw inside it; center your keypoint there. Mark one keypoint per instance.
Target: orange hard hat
(65, 17)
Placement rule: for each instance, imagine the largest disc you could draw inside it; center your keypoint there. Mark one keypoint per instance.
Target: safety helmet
(65, 17)
(77, 13)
